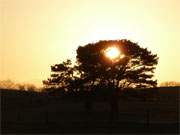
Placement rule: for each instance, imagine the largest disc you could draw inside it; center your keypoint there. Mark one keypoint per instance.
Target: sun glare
(112, 52)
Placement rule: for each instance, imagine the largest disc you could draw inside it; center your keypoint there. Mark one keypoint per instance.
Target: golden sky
(36, 34)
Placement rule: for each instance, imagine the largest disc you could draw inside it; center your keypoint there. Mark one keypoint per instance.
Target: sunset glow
(112, 53)
(39, 33)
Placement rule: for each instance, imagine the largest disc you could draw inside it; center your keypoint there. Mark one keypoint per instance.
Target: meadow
(140, 111)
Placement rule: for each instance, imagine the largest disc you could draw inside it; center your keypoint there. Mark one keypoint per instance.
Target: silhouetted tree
(133, 68)
(61, 77)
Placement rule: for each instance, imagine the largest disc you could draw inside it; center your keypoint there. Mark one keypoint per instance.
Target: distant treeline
(145, 94)
(170, 83)
(9, 84)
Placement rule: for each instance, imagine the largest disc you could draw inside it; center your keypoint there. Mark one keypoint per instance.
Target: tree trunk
(114, 105)
(88, 103)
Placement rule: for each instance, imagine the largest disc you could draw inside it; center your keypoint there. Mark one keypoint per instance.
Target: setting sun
(112, 52)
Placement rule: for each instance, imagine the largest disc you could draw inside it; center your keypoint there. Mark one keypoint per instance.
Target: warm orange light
(112, 53)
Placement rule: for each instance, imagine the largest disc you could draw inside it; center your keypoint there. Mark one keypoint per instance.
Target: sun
(112, 52)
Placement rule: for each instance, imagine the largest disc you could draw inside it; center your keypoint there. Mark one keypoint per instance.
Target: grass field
(29, 112)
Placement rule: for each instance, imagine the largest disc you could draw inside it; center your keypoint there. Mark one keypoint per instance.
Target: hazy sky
(36, 34)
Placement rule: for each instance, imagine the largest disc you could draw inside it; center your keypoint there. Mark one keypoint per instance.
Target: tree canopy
(132, 68)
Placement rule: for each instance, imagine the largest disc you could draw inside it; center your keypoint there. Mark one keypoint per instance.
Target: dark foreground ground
(86, 127)
(24, 113)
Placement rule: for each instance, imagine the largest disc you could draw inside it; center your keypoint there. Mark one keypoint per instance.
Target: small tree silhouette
(61, 76)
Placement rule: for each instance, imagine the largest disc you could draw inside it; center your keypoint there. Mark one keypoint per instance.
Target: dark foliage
(134, 68)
